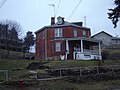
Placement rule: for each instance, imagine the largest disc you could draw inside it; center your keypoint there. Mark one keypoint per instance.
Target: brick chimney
(52, 20)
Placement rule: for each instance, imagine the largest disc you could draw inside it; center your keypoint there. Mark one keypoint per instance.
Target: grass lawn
(57, 84)
(81, 63)
(112, 51)
(64, 85)
(10, 64)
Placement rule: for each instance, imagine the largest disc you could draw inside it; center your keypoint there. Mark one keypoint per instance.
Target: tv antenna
(84, 21)
(53, 5)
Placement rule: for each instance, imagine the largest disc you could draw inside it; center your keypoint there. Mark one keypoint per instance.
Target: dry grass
(64, 85)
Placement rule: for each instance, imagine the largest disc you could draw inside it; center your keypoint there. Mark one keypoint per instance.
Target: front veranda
(82, 49)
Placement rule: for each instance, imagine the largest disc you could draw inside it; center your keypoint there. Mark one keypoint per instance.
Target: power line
(75, 9)
(2, 3)
(58, 7)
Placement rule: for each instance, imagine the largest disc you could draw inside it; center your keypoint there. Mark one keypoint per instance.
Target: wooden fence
(6, 74)
(91, 70)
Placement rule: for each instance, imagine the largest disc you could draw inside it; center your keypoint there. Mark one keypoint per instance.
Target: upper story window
(84, 33)
(75, 33)
(58, 32)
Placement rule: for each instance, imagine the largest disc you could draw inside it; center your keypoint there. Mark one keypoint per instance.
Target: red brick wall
(40, 43)
(68, 32)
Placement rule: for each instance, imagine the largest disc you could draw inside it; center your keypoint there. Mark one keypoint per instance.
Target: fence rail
(6, 74)
(81, 71)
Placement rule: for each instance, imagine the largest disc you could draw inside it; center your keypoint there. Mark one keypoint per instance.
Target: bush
(115, 56)
(105, 55)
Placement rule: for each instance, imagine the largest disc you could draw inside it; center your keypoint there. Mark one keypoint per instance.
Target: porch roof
(79, 38)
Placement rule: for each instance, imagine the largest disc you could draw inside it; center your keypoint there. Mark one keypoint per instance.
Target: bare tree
(9, 34)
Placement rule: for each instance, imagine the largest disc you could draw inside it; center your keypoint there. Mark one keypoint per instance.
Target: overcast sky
(34, 14)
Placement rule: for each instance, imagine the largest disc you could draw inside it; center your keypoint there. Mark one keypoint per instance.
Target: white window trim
(84, 33)
(75, 33)
(57, 46)
(58, 32)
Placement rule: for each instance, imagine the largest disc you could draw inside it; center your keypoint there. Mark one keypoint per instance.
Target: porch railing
(87, 51)
(90, 51)
(77, 50)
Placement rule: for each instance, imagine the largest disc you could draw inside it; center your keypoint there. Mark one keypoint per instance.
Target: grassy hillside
(81, 63)
(63, 85)
(12, 55)
(57, 84)
(111, 51)
(11, 64)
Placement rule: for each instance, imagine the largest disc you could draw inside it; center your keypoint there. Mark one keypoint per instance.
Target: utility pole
(53, 5)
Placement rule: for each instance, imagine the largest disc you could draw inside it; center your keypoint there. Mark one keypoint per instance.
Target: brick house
(64, 40)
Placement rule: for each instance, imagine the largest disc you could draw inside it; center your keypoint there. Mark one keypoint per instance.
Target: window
(75, 33)
(58, 32)
(116, 41)
(57, 47)
(53, 47)
(84, 33)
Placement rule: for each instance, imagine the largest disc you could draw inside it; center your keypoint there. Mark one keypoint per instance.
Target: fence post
(60, 72)
(7, 75)
(113, 70)
(80, 72)
(98, 70)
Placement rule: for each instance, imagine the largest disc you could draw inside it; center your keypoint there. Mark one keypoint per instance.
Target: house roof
(115, 38)
(73, 24)
(100, 33)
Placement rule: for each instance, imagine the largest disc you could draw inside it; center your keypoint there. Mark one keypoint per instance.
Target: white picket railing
(87, 51)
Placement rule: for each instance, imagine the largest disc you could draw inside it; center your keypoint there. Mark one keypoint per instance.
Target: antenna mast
(53, 5)
(84, 21)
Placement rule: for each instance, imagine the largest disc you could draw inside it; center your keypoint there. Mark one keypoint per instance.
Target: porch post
(67, 49)
(74, 53)
(99, 49)
(81, 46)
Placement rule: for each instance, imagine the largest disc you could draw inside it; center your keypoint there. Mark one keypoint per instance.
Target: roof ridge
(102, 32)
